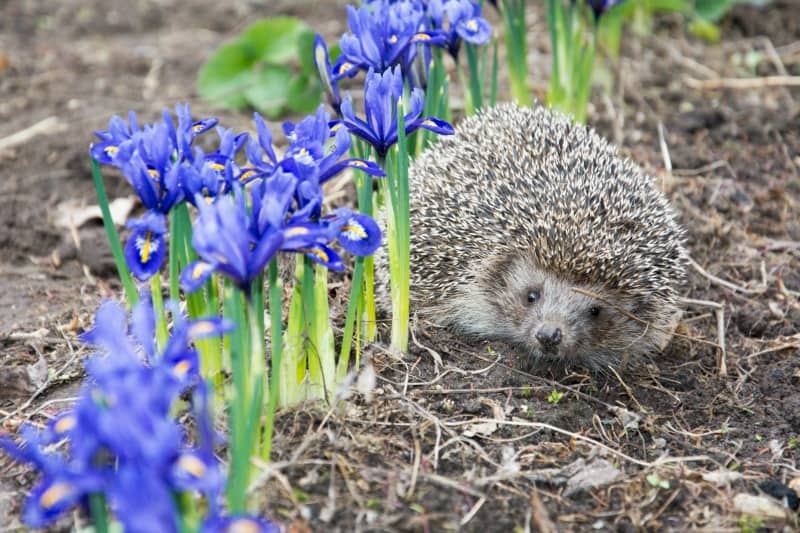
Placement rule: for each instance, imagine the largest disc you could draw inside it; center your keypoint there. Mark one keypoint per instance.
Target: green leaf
(680, 6)
(305, 50)
(222, 78)
(274, 40)
(255, 68)
(712, 10)
(269, 90)
(303, 95)
(708, 31)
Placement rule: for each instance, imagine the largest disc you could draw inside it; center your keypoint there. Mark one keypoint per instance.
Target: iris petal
(360, 235)
(195, 275)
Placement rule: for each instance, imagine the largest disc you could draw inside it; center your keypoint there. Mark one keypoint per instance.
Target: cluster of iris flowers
(165, 169)
(251, 203)
(397, 43)
(120, 444)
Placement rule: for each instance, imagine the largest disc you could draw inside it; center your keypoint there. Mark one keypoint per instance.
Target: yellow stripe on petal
(357, 163)
(111, 150)
(200, 269)
(65, 424)
(182, 368)
(422, 37)
(216, 166)
(144, 250)
(355, 230)
(153, 173)
(202, 327)
(190, 463)
(243, 525)
(472, 25)
(319, 253)
(56, 493)
(295, 231)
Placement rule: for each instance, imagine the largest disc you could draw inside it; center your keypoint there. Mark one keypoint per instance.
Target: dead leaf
(721, 478)
(762, 506)
(72, 214)
(481, 429)
(598, 473)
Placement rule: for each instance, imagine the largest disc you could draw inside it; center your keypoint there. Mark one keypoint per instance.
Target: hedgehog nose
(549, 336)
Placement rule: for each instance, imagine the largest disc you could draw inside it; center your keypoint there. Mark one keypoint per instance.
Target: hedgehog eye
(594, 311)
(533, 296)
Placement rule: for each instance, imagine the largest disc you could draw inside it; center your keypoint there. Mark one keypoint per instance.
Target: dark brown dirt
(473, 444)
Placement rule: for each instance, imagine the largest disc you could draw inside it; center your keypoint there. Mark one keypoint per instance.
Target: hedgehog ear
(496, 270)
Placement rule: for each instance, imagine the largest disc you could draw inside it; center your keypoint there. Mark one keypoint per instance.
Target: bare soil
(469, 443)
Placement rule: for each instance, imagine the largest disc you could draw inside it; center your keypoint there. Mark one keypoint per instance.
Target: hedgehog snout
(549, 336)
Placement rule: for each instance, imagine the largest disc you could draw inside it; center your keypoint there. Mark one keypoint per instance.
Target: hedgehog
(531, 229)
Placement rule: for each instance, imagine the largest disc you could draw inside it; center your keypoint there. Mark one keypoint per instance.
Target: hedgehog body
(531, 229)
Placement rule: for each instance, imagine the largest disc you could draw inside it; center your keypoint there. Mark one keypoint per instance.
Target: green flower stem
(476, 82)
(399, 236)
(131, 294)
(293, 364)
(99, 512)
(353, 306)
(276, 342)
(158, 309)
(239, 400)
(493, 88)
(187, 512)
(174, 266)
(516, 48)
(321, 352)
(365, 205)
(436, 102)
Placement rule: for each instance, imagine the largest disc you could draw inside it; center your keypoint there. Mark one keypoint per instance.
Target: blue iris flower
(152, 158)
(146, 247)
(212, 175)
(381, 33)
(381, 95)
(234, 523)
(599, 7)
(459, 20)
(322, 60)
(225, 243)
(123, 441)
(117, 133)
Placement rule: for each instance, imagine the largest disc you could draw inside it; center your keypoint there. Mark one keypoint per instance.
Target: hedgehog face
(555, 320)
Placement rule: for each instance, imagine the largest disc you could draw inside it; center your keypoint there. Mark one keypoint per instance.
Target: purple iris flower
(123, 441)
(225, 243)
(106, 150)
(322, 60)
(212, 175)
(146, 247)
(235, 523)
(599, 7)
(381, 32)
(381, 94)
(152, 158)
(117, 133)
(459, 20)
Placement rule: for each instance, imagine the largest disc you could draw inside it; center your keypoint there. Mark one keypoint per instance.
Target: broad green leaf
(305, 49)
(270, 90)
(304, 95)
(680, 6)
(708, 31)
(274, 40)
(712, 10)
(225, 76)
